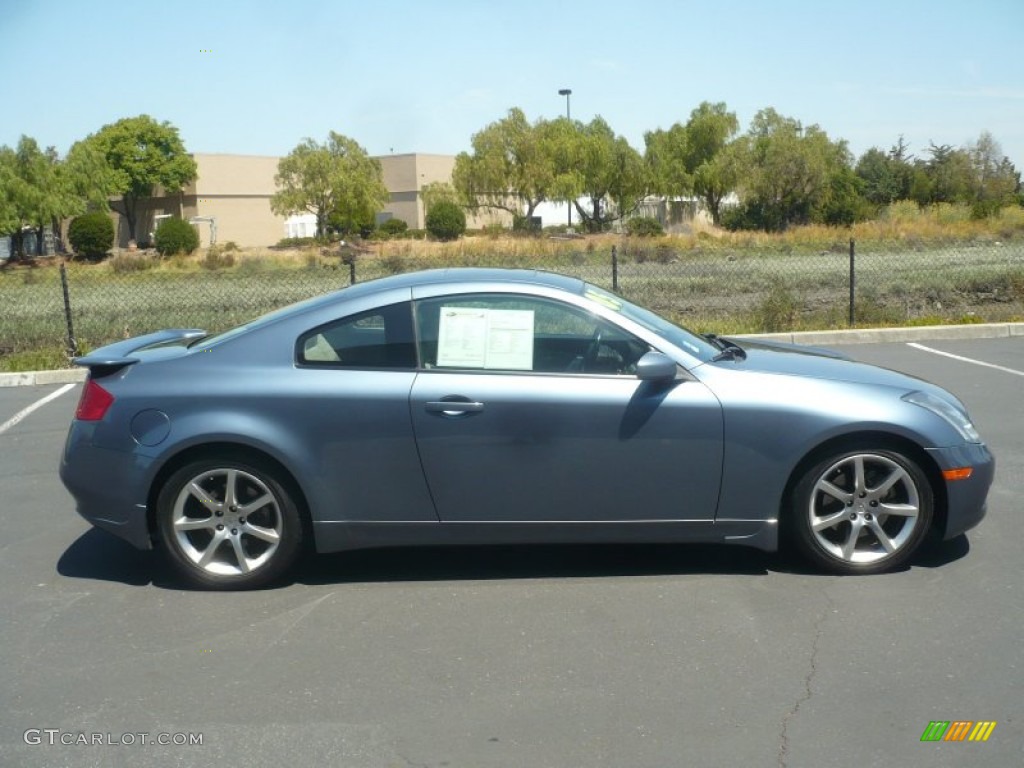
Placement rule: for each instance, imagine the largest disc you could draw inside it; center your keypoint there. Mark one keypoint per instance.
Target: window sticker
(470, 337)
(510, 339)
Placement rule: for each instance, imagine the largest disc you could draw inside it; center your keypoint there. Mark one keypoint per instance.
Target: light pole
(567, 92)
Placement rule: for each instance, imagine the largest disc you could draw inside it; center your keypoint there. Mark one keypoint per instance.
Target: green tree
(886, 176)
(140, 154)
(336, 180)
(787, 172)
(10, 221)
(667, 155)
(512, 166)
(36, 192)
(613, 177)
(996, 180)
(710, 129)
(90, 177)
(947, 176)
(435, 192)
(844, 203)
(689, 159)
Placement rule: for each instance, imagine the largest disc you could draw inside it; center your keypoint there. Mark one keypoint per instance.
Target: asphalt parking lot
(540, 656)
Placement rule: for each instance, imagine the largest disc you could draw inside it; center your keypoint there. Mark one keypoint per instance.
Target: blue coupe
(472, 406)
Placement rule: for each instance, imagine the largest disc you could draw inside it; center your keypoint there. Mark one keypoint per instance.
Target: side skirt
(336, 536)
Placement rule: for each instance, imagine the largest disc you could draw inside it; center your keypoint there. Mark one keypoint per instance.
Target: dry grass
(913, 267)
(903, 226)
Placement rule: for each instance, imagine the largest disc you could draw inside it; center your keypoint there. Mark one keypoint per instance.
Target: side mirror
(655, 366)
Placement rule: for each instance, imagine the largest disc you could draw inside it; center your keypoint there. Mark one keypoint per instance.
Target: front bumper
(965, 499)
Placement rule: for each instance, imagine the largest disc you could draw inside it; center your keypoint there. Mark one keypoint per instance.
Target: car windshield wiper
(712, 338)
(730, 349)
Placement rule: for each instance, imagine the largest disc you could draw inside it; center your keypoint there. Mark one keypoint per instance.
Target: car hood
(816, 363)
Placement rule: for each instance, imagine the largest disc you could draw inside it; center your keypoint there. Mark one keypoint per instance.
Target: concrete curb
(35, 378)
(895, 335)
(818, 338)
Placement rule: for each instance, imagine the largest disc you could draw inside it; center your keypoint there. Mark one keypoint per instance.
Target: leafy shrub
(217, 259)
(663, 253)
(394, 263)
(754, 215)
(644, 226)
(393, 227)
(951, 213)
(251, 265)
(130, 262)
(777, 311)
(526, 225)
(985, 209)
(446, 220)
(295, 242)
(91, 235)
(902, 211)
(556, 229)
(230, 246)
(175, 236)
(179, 261)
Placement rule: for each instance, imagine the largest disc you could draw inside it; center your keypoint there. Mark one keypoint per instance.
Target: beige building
(231, 198)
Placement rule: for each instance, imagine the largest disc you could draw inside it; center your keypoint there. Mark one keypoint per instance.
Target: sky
(259, 77)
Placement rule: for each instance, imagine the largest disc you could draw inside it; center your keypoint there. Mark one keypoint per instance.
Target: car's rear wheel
(228, 524)
(864, 511)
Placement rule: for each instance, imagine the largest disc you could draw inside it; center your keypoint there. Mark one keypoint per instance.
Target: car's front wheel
(864, 511)
(228, 524)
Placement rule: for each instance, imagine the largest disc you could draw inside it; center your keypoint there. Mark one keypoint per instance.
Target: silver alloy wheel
(864, 508)
(227, 522)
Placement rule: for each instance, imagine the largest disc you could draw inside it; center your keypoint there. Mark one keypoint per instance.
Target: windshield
(680, 337)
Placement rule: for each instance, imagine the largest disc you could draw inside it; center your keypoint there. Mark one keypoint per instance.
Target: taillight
(94, 402)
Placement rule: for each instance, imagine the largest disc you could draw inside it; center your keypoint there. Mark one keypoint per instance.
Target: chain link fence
(49, 312)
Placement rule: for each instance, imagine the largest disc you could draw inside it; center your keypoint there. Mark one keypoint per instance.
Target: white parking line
(1002, 368)
(37, 404)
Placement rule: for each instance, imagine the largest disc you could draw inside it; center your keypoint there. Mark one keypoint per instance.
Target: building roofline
(278, 157)
(232, 154)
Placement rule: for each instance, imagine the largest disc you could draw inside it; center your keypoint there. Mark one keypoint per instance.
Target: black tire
(872, 525)
(218, 539)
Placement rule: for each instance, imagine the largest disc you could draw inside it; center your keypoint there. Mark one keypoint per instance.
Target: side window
(378, 338)
(521, 333)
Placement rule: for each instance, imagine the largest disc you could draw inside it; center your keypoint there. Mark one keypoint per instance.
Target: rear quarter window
(377, 338)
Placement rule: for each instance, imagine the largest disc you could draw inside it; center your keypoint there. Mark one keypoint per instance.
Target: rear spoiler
(118, 354)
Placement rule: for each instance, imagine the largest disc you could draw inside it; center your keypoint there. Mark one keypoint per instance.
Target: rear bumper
(966, 499)
(106, 487)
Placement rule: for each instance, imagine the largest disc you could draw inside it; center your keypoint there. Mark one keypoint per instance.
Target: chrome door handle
(453, 407)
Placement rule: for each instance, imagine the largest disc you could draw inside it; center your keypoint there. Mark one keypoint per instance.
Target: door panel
(532, 447)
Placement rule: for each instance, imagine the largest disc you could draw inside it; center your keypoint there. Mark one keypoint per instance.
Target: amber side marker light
(961, 473)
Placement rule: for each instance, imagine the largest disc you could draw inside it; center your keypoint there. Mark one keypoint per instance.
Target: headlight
(954, 416)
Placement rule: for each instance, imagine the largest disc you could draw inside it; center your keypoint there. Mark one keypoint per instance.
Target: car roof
(456, 275)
